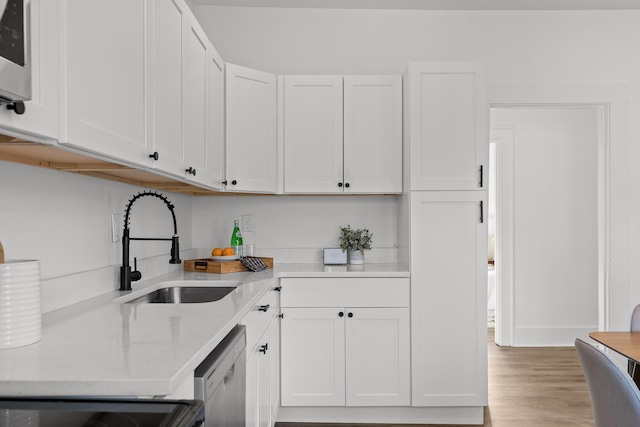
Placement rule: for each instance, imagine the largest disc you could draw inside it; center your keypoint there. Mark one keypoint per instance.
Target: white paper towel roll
(20, 312)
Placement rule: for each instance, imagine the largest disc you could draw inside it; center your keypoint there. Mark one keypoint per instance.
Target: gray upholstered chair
(632, 367)
(615, 399)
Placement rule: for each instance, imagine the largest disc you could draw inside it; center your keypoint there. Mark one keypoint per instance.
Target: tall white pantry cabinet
(443, 232)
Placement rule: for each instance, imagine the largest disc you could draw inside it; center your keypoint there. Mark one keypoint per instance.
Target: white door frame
(608, 98)
(504, 240)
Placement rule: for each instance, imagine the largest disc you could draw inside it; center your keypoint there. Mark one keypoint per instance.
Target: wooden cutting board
(206, 265)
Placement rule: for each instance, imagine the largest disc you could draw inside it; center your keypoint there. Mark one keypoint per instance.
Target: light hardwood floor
(528, 387)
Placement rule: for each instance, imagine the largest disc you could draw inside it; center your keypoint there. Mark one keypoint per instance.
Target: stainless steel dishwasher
(220, 381)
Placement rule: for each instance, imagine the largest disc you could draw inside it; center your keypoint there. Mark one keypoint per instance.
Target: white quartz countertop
(103, 347)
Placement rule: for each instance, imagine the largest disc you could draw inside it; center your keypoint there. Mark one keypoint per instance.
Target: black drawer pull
(264, 308)
(264, 348)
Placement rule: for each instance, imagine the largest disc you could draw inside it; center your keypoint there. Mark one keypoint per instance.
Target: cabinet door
(449, 117)
(253, 388)
(274, 360)
(164, 83)
(377, 357)
(215, 119)
(264, 380)
(258, 393)
(448, 298)
(251, 146)
(373, 134)
(195, 99)
(313, 140)
(312, 352)
(42, 115)
(103, 78)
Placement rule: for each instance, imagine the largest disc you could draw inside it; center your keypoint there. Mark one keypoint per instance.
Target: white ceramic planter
(356, 257)
(20, 312)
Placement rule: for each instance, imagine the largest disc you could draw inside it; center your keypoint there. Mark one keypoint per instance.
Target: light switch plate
(335, 256)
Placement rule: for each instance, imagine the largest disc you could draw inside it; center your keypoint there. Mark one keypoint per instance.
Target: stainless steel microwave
(15, 59)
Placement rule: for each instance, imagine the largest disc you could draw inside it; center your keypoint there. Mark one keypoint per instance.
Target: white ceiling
(435, 4)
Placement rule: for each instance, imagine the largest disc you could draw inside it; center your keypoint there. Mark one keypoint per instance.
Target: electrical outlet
(247, 223)
(115, 226)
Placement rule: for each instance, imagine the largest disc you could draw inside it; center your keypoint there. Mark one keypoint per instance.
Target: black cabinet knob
(264, 308)
(154, 156)
(234, 182)
(341, 314)
(277, 288)
(350, 314)
(347, 185)
(224, 182)
(18, 107)
(191, 171)
(264, 348)
(340, 184)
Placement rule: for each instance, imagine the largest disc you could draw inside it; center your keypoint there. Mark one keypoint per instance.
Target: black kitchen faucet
(126, 275)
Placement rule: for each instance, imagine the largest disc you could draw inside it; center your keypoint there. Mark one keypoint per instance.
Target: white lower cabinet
(377, 357)
(313, 359)
(259, 411)
(263, 361)
(345, 342)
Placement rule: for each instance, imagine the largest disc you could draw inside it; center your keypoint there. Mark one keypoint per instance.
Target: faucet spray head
(175, 251)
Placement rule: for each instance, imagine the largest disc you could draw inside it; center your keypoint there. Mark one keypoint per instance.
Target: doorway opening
(549, 190)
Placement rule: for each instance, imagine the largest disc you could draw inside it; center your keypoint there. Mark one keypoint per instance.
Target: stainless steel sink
(184, 294)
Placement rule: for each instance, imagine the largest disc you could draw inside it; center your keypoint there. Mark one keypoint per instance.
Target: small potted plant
(355, 242)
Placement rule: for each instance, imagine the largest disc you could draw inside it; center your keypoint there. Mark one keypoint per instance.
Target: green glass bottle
(236, 238)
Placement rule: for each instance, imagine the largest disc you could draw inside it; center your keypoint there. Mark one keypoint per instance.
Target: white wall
(555, 204)
(64, 220)
(296, 228)
(554, 48)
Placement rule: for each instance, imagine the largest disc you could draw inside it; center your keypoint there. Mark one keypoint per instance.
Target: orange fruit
(216, 252)
(228, 252)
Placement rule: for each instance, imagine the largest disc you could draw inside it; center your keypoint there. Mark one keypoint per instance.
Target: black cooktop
(100, 413)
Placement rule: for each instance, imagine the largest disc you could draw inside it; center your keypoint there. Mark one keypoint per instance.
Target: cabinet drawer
(258, 318)
(345, 292)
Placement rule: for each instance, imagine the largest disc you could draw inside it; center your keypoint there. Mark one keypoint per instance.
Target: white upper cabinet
(164, 82)
(251, 130)
(215, 120)
(448, 116)
(373, 134)
(195, 63)
(41, 117)
(313, 134)
(342, 134)
(102, 56)
(184, 95)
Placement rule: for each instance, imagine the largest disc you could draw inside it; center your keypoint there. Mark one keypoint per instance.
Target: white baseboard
(550, 337)
(381, 415)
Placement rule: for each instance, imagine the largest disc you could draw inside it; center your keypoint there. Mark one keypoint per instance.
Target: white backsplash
(64, 220)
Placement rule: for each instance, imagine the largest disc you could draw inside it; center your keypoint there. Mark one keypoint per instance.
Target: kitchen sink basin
(184, 294)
